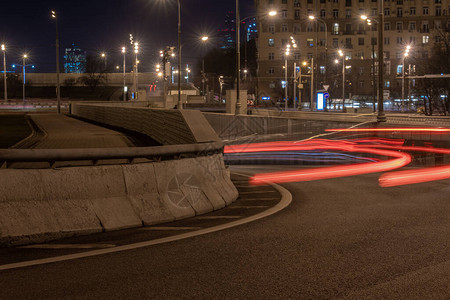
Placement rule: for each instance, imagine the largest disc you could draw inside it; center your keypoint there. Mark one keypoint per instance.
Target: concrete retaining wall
(38, 205)
(248, 128)
(166, 126)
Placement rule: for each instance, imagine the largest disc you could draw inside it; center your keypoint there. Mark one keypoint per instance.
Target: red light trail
(438, 130)
(382, 147)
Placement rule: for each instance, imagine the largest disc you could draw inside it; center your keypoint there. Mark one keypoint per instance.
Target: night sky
(105, 25)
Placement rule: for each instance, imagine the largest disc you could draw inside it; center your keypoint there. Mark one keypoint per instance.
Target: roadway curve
(340, 238)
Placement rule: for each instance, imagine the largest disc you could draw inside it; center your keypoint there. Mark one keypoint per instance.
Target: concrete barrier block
(213, 177)
(142, 189)
(224, 184)
(194, 176)
(32, 202)
(115, 213)
(171, 188)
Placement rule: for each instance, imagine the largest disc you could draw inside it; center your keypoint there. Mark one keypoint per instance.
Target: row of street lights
(24, 58)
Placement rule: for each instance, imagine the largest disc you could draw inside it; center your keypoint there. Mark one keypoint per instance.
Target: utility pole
(294, 86)
(58, 84)
(4, 72)
(381, 117)
(124, 51)
(312, 85)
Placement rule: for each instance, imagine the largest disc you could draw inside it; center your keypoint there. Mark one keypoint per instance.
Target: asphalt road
(340, 238)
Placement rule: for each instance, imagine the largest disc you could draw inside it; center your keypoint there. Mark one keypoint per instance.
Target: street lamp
(313, 18)
(103, 55)
(4, 72)
(381, 117)
(204, 80)
(343, 79)
(25, 56)
(369, 22)
(58, 84)
(124, 51)
(135, 75)
(405, 54)
(238, 54)
(286, 55)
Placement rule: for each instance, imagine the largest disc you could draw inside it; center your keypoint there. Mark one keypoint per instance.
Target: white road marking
(69, 246)
(286, 199)
(257, 192)
(170, 228)
(218, 217)
(248, 206)
(259, 199)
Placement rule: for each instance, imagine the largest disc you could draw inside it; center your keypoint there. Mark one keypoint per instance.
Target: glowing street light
(4, 72)
(58, 84)
(25, 56)
(136, 62)
(204, 80)
(341, 54)
(103, 55)
(405, 54)
(124, 52)
(238, 53)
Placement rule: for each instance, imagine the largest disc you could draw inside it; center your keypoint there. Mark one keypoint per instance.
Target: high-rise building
(338, 26)
(74, 60)
(227, 33)
(250, 28)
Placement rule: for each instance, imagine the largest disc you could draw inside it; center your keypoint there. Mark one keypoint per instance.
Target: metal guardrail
(156, 153)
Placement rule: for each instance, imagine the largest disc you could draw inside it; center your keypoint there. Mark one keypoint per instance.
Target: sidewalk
(63, 132)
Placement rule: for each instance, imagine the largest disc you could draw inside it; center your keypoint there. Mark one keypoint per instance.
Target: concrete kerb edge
(286, 200)
(36, 130)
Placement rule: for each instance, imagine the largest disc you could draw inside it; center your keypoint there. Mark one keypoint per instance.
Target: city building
(227, 34)
(74, 60)
(250, 28)
(338, 26)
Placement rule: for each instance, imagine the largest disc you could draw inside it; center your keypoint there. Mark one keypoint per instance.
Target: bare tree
(435, 90)
(95, 73)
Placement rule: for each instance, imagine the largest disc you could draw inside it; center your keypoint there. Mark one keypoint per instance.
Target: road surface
(340, 238)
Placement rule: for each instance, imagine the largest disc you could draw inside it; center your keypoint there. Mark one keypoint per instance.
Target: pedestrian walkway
(57, 131)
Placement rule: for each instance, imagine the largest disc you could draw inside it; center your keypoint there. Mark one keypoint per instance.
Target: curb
(286, 199)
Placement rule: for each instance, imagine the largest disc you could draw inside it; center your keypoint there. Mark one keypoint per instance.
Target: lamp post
(286, 54)
(180, 104)
(187, 73)
(403, 76)
(58, 84)
(238, 59)
(103, 55)
(238, 54)
(4, 72)
(381, 117)
(311, 17)
(343, 79)
(24, 77)
(369, 22)
(204, 39)
(124, 51)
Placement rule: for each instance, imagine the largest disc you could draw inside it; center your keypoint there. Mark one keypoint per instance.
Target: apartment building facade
(338, 26)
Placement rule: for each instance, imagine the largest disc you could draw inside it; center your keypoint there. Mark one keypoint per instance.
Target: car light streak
(305, 150)
(406, 129)
(414, 176)
(401, 159)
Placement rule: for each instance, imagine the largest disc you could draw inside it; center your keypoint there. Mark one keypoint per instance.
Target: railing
(157, 153)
